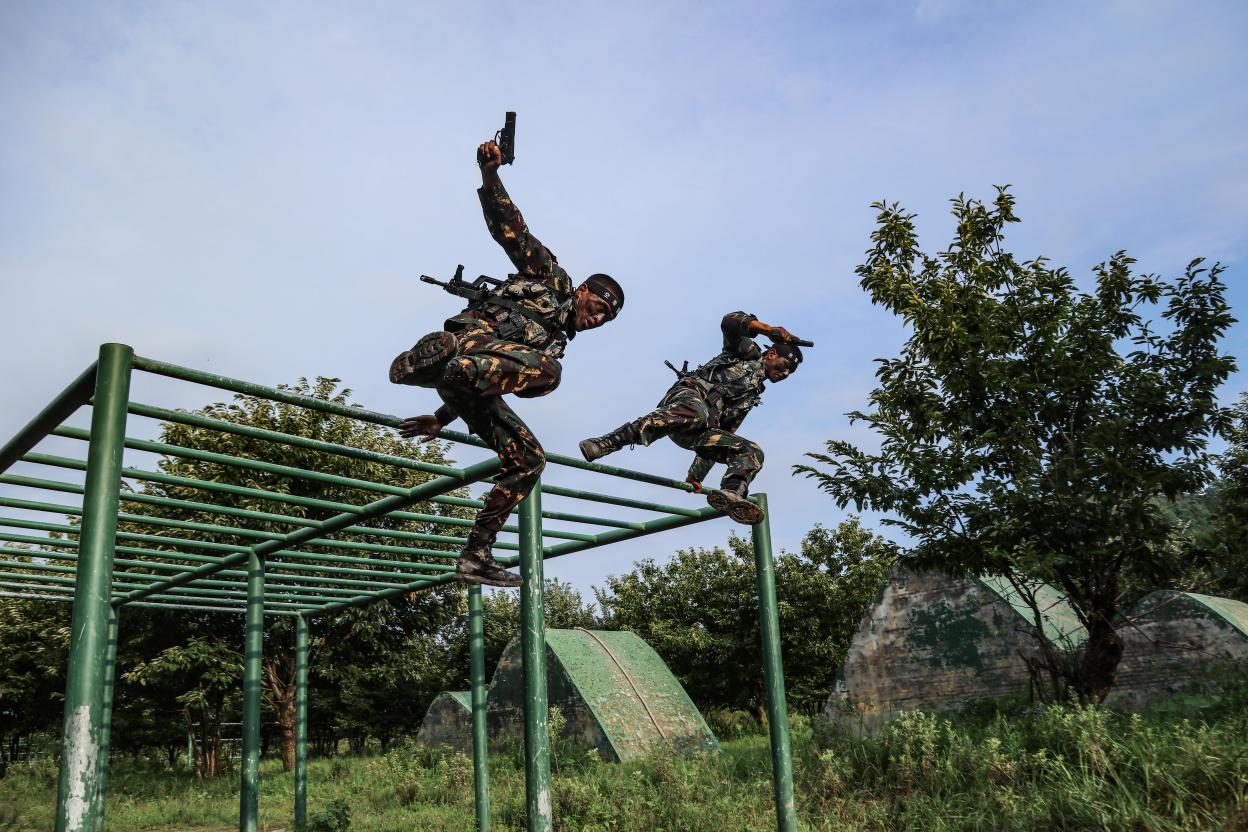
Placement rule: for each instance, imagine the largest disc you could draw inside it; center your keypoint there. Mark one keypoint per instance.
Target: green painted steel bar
(274, 591)
(68, 598)
(659, 524)
(283, 566)
(253, 660)
(226, 488)
(249, 388)
(291, 440)
(205, 596)
(480, 736)
(773, 671)
(609, 522)
(44, 593)
(533, 651)
(374, 509)
(197, 455)
(213, 508)
(106, 727)
(228, 610)
(237, 531)
(84, 685)
(625, 502)
(301, 722)
(61, 408)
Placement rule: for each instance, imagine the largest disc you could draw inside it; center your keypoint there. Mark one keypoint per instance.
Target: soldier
(704, 408)
(510, 342)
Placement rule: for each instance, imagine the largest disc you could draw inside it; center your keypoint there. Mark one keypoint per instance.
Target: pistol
(506, 138)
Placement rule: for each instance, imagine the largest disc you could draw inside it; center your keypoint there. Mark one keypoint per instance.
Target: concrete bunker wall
(930, 641)
(1178, 641)
(448, 722)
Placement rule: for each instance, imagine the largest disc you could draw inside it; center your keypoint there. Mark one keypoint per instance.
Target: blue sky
(254, 189)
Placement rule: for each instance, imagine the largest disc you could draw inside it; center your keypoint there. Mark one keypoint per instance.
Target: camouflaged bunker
(448, 722)
(930, 642)
(614, 691)
(1179, 642)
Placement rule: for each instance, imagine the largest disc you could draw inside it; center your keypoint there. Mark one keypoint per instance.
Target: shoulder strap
(539, 319)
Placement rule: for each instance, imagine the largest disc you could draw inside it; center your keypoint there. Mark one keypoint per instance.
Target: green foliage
(373, 670)
(1048, 768)
(336, 817)
(700, 614)
(1081, 767)
(1027, 428)
(34, 648)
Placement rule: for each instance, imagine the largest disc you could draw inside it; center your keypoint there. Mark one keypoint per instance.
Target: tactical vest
(522, 311)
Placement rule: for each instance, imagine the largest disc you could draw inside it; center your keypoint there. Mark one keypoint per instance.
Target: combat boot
(600, 446)
(731, 500)
(476, 564)
(423, 364)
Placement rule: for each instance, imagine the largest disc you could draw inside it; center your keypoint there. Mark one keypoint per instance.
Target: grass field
(1045, 769)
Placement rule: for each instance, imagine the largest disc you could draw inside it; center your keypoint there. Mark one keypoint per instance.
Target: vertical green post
(253, 658)
(84, 685)
(480, 738)
(301, 721)
(533, 650)
(106, 726)
(773, 671)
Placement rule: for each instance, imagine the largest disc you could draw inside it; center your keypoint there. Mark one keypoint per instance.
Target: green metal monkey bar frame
(93, 565)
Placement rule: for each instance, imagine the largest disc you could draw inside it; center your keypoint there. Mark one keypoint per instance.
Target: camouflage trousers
(473, 385)
(685, 416)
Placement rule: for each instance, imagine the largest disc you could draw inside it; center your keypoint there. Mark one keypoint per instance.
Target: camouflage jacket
(540, 285)
(732, 382)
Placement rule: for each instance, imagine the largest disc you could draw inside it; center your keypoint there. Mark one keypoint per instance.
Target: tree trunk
(1101, 654)
(286, 719)
(279, 689)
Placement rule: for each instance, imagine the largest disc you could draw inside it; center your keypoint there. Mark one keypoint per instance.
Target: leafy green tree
(34, 646)
(361, 651)
(699, 612)
(564, 609)
(1027, 427)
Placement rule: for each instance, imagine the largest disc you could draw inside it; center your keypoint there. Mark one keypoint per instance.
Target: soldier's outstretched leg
(422, 365)
(477, 363)
(523, 459)
(682, 410)
(744, 460)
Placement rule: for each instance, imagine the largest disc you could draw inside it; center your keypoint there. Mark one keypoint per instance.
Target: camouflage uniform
(702, 411)
(503, 351)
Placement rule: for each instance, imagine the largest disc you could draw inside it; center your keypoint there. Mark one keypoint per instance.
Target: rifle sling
(542, 321)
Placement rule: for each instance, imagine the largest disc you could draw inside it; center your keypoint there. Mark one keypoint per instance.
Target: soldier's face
(777, 367)
(589, 310)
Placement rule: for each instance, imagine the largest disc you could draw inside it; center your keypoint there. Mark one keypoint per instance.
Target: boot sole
(589, 451)
(512, 581)
(741, 511)
(423, 363)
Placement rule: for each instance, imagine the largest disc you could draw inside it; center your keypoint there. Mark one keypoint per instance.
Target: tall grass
(1051, 768)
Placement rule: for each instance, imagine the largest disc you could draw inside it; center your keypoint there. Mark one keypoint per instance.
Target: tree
(700, 614)
(564, 609)
(1027, 427)
(362, 650)
(34, 645)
